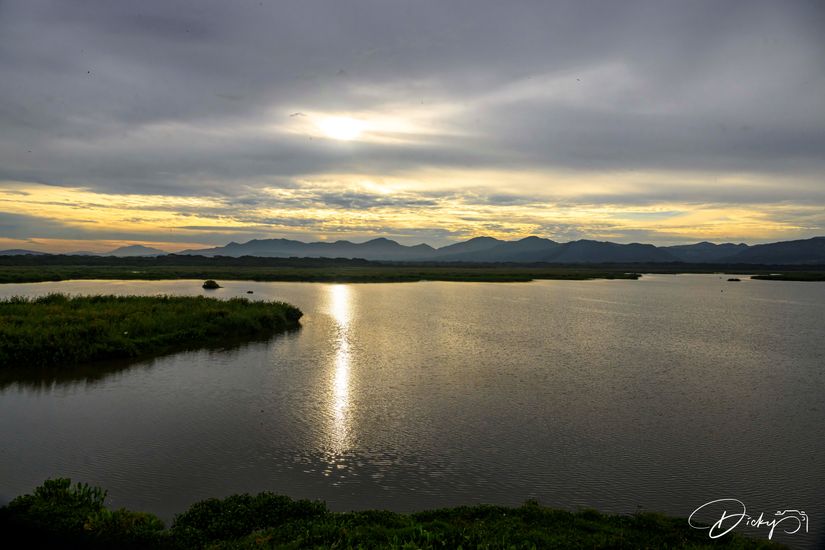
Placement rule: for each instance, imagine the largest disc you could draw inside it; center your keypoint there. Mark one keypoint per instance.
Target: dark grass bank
(59, 514)
(29, 269)
(58, 331)
(332, 274)
(792, 276)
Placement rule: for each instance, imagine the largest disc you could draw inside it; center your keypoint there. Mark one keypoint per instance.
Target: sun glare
(343, 128)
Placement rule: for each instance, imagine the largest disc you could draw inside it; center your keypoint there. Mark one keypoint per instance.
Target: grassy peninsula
(792, 276)
(58, 331)
(74, 516)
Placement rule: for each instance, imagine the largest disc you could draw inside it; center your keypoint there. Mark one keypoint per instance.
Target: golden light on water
(340, 304)
(340, 307)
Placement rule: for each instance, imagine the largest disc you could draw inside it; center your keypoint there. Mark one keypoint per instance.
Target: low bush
(65, 516)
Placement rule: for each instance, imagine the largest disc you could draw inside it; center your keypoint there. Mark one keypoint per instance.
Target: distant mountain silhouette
(487, 249)
(586, 251)
(21, 252)
(473, 246)
(376, 249)
(806, 251)
(532, 249)
(704, 252)
(135, 250)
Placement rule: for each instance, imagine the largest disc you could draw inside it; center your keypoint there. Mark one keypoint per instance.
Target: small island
(210, 284)
(734, 280)
(58, 331)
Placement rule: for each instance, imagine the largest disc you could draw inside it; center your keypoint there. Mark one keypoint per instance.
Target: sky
(187, 124)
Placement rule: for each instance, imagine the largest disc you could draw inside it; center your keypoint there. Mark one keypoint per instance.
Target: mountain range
(528, 250)
(534, 249)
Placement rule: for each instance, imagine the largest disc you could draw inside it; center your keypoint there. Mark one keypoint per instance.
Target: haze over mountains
(136, 250)
(527, 250)
(123, 251)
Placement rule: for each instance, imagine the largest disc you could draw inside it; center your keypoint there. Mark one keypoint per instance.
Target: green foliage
(215, 520)
(527, 527)
(57, 331)
(58, 505)
(125, 529)
(60, 515)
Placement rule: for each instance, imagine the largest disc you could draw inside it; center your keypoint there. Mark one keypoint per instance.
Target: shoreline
(370, 279)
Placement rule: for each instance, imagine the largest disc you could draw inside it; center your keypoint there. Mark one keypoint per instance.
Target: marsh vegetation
(30, 269)
(334, 272)
(58, 331)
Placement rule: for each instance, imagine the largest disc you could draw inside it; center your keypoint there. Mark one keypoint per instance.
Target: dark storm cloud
(19, 226)
(193, 98)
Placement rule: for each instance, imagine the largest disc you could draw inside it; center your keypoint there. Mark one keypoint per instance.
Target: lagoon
(660, 394)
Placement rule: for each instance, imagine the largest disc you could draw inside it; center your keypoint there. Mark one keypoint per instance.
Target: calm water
(662, 393)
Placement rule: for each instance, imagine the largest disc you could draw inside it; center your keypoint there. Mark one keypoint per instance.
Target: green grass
(30, 269)
(58, 331)
(58, 513)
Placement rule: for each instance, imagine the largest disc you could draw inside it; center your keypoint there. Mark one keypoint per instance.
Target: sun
(343, 128)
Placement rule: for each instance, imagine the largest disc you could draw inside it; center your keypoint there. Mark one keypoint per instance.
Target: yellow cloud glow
(454, 204)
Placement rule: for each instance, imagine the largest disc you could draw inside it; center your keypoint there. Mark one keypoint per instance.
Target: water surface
(660, 394)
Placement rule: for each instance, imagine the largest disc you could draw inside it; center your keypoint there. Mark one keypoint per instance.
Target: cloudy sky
(183, 124)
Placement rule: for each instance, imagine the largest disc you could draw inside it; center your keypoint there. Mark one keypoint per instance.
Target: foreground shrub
(216, 520)
(124, 529)
(59, 515)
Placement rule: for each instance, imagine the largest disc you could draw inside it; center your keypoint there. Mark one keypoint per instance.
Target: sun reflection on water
(339, 307)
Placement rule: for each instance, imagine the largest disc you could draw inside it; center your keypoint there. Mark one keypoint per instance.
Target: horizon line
(209, 247)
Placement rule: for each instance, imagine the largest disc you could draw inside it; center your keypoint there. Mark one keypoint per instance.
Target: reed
(58, 331)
